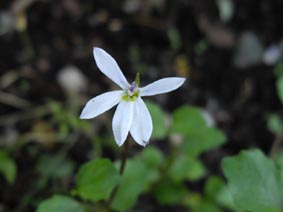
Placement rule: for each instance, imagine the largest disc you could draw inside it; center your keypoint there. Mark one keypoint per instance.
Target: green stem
(121, 171)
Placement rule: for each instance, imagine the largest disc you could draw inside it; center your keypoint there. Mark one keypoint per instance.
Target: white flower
(131, 114)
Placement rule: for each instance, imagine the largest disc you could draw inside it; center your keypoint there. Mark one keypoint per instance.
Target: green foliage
(205, 206)
(278, 160)
(153, 159)
(279, 69)
(279, 83)
(186, 168)
(54, 166)
(65, 118)
(187, 119)
(275, 124)
(150, 171)
(199, 138)
(213, 186)
(217, 191)
(254, 182)
(136, 178)
(174, 38)
(140, 173)
(169, 192)
(8, 167)
(216, 197)
(96, 179)
(201, 47)
(60, 203)
(279, 86)
(202, 139)
(159, 120)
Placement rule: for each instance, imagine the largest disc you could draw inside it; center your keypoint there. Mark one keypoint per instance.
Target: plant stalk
(121, 171)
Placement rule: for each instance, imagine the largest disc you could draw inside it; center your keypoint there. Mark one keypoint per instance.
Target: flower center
(132, 93)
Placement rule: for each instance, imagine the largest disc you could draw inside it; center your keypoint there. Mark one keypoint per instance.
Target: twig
(24, 115)
(13, 100)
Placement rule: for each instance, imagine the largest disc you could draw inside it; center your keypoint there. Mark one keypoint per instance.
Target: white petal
(122, 121)
(141, 128)
(109, 67)
(100, 104)
(162, 86)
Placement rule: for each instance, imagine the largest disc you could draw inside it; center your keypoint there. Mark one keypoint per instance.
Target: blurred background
(230, 51)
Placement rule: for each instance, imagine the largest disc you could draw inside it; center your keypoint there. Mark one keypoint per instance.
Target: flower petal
(100, 104)
(109, 67)
(162, 86)
(122, 121)
(141, 128)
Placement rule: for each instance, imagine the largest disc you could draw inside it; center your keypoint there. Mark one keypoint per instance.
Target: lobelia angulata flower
(131, 114)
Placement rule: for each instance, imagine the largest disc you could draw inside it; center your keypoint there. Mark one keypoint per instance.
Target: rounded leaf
(186, 119)
(96, 179)
(202, 139)
(254, 182)
(60, 203)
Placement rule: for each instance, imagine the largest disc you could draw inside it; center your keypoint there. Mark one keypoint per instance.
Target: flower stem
(124, 156)
(121, 171)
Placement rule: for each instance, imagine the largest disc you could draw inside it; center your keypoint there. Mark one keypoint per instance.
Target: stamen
(133, 86)
(132, 93)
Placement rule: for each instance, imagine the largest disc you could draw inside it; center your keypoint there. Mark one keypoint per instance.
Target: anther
(133, 86)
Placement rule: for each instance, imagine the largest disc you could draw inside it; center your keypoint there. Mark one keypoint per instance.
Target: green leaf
(54, 166)
(279, 163)
(279, 85)
(254, 182)
(201, 47)
(168, 192)
(60, 203)
(174, 38)
(134, 181)
(275, 124)
(96, 179)
(217, 191)
(158, 119)
(186, 168)
(187, 119)
(152, 157)
(201, 140)
(213, 186)
(8, 167)
(205, 206)
(278, 70)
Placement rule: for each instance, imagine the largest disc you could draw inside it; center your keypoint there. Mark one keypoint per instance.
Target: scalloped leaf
(254, 182)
